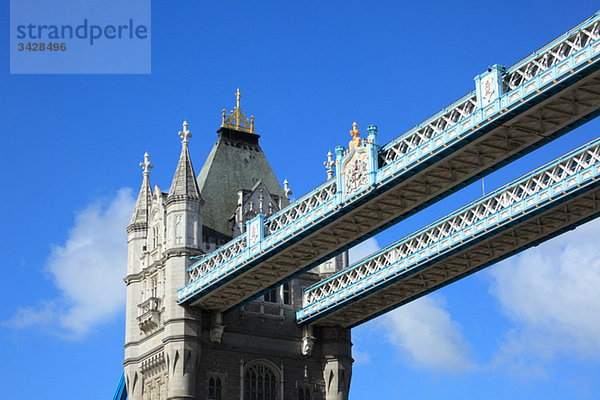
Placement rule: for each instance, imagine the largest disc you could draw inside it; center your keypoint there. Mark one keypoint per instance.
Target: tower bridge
(512, 111)
(233, 292)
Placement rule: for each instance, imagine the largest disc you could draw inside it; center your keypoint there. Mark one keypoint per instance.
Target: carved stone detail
(149, 315)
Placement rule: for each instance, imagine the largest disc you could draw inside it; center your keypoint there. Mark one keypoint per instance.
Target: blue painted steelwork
(546, 187)
(121, 392)
(527, 84)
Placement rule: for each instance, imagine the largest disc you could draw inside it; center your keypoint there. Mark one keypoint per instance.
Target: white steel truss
(418, 168)
(495, 212)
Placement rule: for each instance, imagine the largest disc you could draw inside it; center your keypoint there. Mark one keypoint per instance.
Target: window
(271, 297)
(303, 393)
(260, 382)
(215, 388)
(282, 295)
(286, 293)
(154, 286)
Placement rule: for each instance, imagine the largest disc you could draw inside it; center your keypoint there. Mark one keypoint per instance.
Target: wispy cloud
(424, 331)
(87, 269)
(551, 295)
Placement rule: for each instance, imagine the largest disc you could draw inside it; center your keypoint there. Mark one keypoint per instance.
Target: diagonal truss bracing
(534, 208)
(456, 146)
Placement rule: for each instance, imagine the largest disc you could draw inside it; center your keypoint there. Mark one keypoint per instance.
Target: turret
(184, 203)
(137, 231)
(137, 234)
(184, 239)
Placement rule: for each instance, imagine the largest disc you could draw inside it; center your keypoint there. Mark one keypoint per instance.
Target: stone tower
(254, 352)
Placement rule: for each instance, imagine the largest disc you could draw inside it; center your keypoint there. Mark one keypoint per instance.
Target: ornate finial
(329, 164)
(355, 142)
(146, 164)
(286, 189)
(354, 132)
(237, 120)
(185, 134)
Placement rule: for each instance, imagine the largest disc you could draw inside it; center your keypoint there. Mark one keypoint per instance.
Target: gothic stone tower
(254, 352)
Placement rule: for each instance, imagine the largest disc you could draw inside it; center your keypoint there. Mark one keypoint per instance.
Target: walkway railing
(527, 82)
(551, 183)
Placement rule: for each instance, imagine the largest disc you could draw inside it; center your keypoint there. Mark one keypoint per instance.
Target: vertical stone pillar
(183, 359)
(133, 382)
(337, 362)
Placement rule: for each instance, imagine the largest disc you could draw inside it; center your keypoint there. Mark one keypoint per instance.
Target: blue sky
(69, 158)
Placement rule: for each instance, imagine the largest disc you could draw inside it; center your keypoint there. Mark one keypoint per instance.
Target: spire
(140, 216)
(184, 186)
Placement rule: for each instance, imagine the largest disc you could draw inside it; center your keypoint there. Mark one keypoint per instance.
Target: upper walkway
(511, 112)
(534, 208)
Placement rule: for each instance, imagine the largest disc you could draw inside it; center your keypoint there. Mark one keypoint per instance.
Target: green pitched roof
(235, 162)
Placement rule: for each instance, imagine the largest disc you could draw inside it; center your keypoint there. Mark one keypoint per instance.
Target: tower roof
(184, 186)
(141, 212)
(235, 162)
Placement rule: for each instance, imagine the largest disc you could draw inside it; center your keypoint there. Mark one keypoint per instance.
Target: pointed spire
(184, 186)
(141, 212)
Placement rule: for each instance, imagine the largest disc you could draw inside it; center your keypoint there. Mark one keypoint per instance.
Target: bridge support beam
(337, 362)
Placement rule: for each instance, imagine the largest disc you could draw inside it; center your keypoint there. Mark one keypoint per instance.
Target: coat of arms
(356, 169)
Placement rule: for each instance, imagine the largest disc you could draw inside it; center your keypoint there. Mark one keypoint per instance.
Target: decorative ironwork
(494, 211)
(415, 169)
(396, 149)
(237, 119)
(551, 55)
(217, 258)
(301, 207)
(522, 72)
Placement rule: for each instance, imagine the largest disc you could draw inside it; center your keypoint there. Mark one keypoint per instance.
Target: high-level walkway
(511, 112)
(542, 204)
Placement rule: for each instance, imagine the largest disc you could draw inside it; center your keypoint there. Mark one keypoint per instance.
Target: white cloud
(88, 270)
(424, 331)
(362, 250)
(551, 295)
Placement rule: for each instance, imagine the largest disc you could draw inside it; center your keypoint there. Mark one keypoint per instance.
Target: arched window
(215, 388)
(261, 382)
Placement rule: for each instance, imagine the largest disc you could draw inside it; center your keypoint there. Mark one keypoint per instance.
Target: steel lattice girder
(318, 226)
(534, 208)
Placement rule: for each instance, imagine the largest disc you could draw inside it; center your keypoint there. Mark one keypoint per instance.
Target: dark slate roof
(235, 162)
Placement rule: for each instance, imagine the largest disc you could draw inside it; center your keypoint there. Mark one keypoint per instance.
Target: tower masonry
(253, 352)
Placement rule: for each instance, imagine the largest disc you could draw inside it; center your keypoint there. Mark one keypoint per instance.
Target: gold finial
(354, 132)
(355, 142)
(236, 119)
